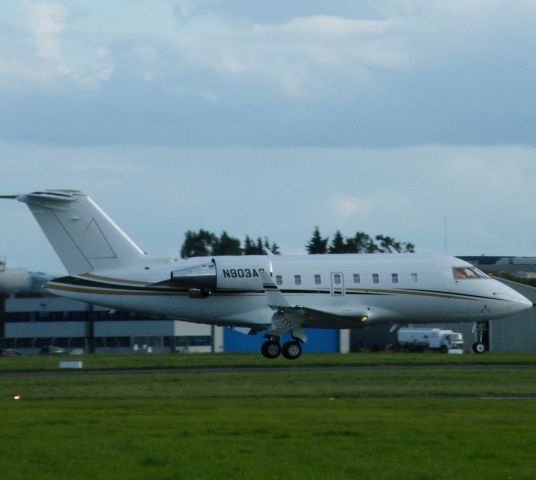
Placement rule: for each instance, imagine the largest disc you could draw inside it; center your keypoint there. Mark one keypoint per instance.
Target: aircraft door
(337, 284)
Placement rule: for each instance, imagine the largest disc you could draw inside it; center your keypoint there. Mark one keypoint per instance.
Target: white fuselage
(354, 289)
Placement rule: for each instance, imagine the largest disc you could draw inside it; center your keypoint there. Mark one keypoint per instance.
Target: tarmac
(180, 371)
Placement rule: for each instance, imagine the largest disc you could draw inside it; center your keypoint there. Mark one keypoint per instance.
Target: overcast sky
(269, 118)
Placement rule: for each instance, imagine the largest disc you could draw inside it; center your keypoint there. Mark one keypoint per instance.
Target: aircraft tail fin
(82, 235)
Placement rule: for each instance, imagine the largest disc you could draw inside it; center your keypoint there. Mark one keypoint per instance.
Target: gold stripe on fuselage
(104, 291)
(412, 293)
(111, 279)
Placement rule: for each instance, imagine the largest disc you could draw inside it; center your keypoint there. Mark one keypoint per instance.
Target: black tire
(271, 349)
(479, 348)
(292, 350)
(444, 349)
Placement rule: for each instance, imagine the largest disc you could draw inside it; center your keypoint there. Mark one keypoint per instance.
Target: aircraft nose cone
(526, 303)
(515, 301)
(519, 297)
(521, 303)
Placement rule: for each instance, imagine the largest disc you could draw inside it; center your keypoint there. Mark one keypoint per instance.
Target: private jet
(272, 295)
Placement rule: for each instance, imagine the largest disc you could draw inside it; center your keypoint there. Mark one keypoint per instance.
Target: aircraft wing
(315, 317)
(307, 315)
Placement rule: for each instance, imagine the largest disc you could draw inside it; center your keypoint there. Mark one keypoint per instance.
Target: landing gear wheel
(271, 349)
(479, 347)
(292, 350)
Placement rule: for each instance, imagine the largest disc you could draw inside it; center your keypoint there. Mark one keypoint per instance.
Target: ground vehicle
(420, 339)
(51, 350)
(9, 352)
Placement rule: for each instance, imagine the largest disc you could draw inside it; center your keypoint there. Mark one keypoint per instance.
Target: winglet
(275, 298)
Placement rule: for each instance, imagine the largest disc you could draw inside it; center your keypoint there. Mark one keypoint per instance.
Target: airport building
(33, 324)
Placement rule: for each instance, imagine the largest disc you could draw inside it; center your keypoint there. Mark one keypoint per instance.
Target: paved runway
(292, 368)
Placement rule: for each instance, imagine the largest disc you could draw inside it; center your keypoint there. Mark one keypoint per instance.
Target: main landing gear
(291, 350)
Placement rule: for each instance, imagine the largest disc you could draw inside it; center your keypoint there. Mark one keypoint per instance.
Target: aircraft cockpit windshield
(468, 273)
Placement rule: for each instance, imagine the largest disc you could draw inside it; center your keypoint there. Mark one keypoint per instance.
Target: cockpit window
(468, 273)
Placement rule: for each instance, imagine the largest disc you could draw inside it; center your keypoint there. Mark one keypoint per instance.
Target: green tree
(259, 247)
(204, 243)
(360, 243)
(273, 247)
(338, 244)
(226, 245)
(249, 246)
(408, 247)
(386, 244)
(253, 247)
(317, 244)
(198, 244)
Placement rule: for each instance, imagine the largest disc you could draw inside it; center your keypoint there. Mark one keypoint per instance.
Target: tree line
(360, 242)
(204, 243)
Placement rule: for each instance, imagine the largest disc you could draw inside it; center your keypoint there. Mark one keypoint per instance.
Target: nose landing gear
(479, 347)
(481, 332)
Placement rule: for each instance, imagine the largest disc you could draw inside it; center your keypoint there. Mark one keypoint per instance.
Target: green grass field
(113, 362)
(292, 423)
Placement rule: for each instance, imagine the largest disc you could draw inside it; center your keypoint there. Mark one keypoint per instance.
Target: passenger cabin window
(337, 279)
(376, 278)
(414, 277)
(297, 279)
(394, 277)
(357, 278)
(279, 279)
(468, 273)
(318, 279)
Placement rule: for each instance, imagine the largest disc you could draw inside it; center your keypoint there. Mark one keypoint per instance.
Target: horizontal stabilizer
(9, 197)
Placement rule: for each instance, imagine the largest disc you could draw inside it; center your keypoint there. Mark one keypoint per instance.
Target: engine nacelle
(223, 273)
(201, 276)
